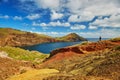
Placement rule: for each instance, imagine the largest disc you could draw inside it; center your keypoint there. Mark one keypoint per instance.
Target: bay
(48, 47)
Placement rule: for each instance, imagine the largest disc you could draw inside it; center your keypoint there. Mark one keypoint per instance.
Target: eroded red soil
(81, 50)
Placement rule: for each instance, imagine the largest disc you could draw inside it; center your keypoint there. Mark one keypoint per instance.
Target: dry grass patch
(35, 74)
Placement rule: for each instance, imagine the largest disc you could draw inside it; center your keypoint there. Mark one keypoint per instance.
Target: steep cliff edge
(83, 49)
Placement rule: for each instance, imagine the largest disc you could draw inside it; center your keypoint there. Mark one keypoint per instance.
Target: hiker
(100, 38)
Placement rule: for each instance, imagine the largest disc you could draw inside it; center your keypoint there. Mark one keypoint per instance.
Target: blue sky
(88, 18)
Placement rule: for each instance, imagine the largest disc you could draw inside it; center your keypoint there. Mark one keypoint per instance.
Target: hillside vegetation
(91, 61)
(86, 61)
(13, 37)
(17, 61)
(99, 63)
(35, 74)
(21, 54)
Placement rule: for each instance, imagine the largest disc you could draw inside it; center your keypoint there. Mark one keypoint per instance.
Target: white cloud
(56, 15)
(78, 27)
(80, 18)
(4, 16)
(84, 10)
(17, 18)
(51, 4)
(96, 7)
(92, 27)
(35, 24)
(105, 33)
(39, 24)
(73, 18)
(54, 24)
(113, 22)
(87, 9)
(33, 16)
(43, 24)
(58, 23)
(54, 33)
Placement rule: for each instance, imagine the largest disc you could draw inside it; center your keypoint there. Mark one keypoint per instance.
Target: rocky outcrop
(63, 50)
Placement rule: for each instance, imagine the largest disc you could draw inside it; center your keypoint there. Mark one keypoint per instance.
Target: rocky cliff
(12, 37)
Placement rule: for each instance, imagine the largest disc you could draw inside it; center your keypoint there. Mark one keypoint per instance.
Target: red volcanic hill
(67, 52)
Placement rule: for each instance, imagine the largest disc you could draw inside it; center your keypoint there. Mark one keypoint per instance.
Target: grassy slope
(21, 54)
(104, 64)
(7, 31)
(13, 37)
(21, 61)
(35, 74)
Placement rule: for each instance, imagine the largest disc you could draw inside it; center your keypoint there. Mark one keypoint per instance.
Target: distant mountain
(13, 37)
(72, 37)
